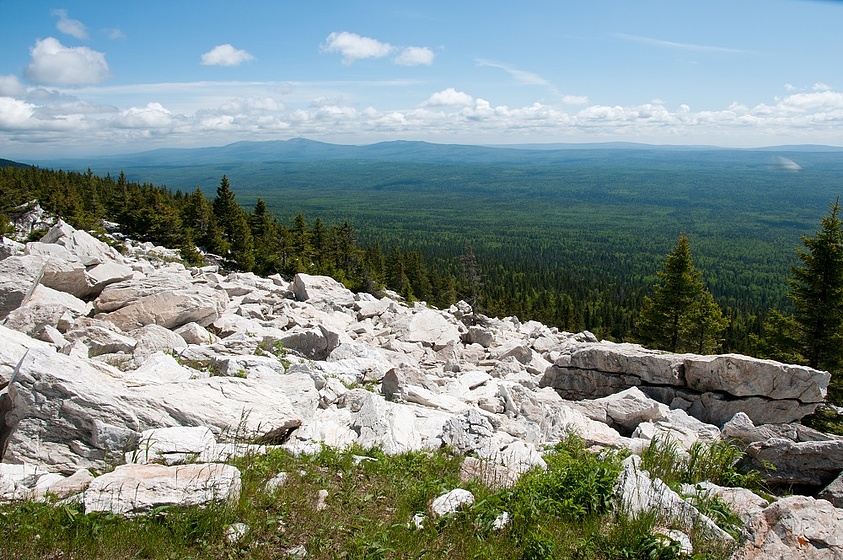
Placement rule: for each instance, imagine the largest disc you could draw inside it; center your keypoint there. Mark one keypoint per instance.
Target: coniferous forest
(577, 246)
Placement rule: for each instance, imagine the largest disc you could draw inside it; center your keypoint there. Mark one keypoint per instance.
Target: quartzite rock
(142, 488)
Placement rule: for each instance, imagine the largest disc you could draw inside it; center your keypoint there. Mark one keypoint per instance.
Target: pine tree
(816, 290)
(681, 314)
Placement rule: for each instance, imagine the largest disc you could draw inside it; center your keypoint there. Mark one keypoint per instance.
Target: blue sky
(98, 77)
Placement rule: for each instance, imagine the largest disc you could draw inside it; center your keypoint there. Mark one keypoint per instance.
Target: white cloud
(68, 26)
(678, 45)
(53, 63)
(217, 113)
(251, 105)
(575, 99)
(415, 56)
(225, 55)
(520, 75)
(10, 86)
(14, 113)
(113, 33)
(449, 97)
(354, 47)
(153, 116)
(821, 87)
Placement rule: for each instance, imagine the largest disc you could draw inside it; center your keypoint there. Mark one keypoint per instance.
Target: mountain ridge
(306, 150)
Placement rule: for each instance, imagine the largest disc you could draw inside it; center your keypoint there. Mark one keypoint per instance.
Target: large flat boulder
(69, 412)
(166, 300)
(711, 388)
(142, 488)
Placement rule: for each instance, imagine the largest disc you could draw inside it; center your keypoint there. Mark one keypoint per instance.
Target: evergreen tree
(235, 227)
(681, 314)
(816, 290)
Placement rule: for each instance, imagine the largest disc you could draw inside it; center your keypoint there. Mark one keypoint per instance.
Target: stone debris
(135, 361)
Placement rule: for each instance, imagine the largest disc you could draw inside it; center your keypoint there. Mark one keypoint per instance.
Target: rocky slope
(134, 361)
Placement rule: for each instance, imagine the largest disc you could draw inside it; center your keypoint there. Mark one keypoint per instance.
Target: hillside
(152, 388)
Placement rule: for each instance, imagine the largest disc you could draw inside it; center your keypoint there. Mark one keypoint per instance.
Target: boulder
(68, 413)
(19, 275)
(154, 338)
(636, 492)
(742, 376)
(142, 488)
(165, 300)
(833, 492)
(741, 428)
(102, 340)
(809, 463)
(321, 290)
(451, 502)
(171, 445)
(83, 245)
(710, 388)
(194, 333)
(794, 527)
(397, 381)
(431, 329)
(104, 274)
(742, 502)
(390, 426)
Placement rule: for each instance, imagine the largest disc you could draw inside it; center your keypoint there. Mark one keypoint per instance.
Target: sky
(97, 77)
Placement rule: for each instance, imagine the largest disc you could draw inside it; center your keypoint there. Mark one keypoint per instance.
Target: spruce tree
(235, 227)
(681, 315)
(816, 290)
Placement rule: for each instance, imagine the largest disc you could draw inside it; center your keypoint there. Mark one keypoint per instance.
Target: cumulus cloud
(575, 99)
(354, 47)
(415, 56)
(53, 63)
(68, 26)
(225, 55)
(154, 115)
(14, 113)
(449, 97)
(216, 113)
(251, 105)
(10, 86)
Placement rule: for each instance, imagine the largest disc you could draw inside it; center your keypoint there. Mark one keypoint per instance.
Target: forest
(571, 238)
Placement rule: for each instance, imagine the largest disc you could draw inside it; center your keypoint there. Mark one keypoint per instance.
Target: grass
(565, 512)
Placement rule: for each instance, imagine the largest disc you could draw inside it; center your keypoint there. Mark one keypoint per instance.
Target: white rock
(432, 329)
(18, 278)
(88, 249)
(451, 502)
(141, 488)
(794, 527)
(171, 445)
(193, 333)
(636, 493)
(321, 289)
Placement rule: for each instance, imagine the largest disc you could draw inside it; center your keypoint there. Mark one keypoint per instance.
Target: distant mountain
(303, 150)
(10, 163)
